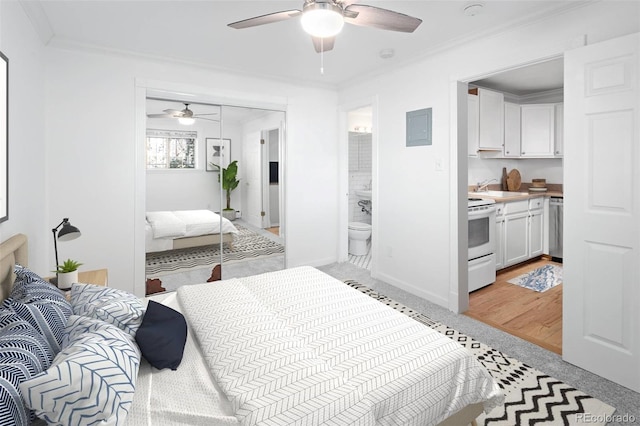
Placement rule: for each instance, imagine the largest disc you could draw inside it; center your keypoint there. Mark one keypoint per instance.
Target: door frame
(459, 276)
(343, 178)
(266, 184)
(144, 88)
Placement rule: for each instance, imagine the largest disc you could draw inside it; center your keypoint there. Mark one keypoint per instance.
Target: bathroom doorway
(360, 167)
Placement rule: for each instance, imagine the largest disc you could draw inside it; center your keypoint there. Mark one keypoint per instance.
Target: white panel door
(252, 154)
(601, 290)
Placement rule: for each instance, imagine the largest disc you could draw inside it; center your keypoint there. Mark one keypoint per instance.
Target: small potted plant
(67, 274)
(229, 183)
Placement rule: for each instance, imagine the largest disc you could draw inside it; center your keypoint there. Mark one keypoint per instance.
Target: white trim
(343, 178)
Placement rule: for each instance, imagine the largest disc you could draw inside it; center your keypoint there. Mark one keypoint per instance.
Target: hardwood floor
(274, 230)
(530, 315)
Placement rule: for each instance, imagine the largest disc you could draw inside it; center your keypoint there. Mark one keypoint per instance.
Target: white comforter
(300, 347)
(187, 223)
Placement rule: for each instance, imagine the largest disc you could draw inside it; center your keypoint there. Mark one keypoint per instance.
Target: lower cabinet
(519, 231)
(516, 235)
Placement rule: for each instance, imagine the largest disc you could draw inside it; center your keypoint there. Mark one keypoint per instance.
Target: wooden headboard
(12, 251)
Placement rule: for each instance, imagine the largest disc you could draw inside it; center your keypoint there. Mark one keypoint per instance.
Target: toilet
(359, 233)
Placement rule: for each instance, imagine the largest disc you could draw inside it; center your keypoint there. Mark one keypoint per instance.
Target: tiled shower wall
(360, 160)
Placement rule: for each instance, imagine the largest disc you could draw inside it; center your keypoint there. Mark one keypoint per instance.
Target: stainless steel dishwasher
(555, 228)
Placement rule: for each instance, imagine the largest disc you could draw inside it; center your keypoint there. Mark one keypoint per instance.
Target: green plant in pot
(229, 183)
(67, 274)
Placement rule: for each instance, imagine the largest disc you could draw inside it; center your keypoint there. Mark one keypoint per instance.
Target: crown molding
(39, 20)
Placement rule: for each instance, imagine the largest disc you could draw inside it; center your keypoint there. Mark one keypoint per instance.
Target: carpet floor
(531, 397)
(247, 245)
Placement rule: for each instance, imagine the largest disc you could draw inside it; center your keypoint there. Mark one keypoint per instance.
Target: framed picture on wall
(4, 138)
(218, 153)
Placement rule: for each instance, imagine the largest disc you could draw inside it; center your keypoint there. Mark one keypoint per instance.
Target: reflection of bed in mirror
(172, 230)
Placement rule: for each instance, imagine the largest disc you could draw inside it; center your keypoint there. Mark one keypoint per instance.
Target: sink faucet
(482, 186)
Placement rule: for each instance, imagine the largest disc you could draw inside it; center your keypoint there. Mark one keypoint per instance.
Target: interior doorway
(521, 87)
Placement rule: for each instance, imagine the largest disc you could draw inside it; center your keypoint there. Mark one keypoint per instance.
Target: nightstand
(97, 277)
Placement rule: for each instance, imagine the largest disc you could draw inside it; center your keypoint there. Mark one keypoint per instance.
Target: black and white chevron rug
(247, 245)
(531, 397)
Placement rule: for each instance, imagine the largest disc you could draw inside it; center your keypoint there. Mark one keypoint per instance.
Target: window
(171, 149)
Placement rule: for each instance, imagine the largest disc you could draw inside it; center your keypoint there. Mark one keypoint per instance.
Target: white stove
(482, 262)
(476, 202)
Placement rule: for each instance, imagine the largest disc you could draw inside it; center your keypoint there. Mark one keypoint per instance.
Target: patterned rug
(540, 279)
(247, 245)
(531, 397)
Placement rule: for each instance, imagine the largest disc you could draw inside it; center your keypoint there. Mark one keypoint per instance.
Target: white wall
(190, 189)
(416, 225)
(28, 197)
(547, 168)
(97, 157)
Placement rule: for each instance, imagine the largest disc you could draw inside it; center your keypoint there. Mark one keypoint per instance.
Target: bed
(172, 230)
(294, 347)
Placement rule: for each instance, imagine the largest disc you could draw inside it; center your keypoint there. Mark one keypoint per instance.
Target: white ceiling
(196, 32)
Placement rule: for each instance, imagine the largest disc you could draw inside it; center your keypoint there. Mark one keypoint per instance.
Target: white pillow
(117, 307)
(91, 381)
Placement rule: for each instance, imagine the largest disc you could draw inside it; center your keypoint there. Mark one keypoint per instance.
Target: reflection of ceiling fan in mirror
(323, 20)
(185, 116)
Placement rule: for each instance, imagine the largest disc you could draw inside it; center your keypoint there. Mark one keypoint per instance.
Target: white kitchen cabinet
(511, 129)
(536, 227)
(473, 124)
(491, 120)
(537, 130)
(516, 232)
(559, 130)
(499, 236)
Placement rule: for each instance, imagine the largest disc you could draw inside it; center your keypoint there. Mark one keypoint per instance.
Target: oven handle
(482, 212)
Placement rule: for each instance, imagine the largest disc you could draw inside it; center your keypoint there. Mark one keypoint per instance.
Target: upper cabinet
(537, 130)
(559, 151)
(490, 119)
(473, 125)
(499, 129)
(511, 129)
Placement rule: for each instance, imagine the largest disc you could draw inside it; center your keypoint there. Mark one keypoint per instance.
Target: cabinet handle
(522, 152)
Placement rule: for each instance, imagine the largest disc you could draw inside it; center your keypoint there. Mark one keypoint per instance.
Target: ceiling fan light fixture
(322, 20)
(187, 121)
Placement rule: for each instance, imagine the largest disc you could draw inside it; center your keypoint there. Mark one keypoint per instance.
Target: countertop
(552, 191)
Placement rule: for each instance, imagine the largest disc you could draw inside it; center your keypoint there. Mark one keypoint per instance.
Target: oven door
(482, 222)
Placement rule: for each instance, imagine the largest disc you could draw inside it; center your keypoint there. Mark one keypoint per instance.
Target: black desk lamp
(67, 233)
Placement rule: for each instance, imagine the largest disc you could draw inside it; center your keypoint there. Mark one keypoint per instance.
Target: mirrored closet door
(185, 231)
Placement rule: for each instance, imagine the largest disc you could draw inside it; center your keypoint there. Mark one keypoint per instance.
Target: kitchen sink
(499, 194)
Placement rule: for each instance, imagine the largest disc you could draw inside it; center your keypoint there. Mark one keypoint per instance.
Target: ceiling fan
(185, 116)
(324, 19)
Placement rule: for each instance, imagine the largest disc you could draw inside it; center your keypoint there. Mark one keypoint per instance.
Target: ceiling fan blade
(159, 115)
(208, 119)
(323, 44)
(208, 113)
(265, 19)
(371, 16)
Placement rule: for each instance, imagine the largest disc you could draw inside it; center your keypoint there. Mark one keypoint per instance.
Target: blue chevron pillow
(29, 287)
(41, 304)
(24, 353)
(117, 307)
(91, 381)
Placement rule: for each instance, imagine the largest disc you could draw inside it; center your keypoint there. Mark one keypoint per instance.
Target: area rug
(247, 245)
(531, 397)
(540, 279)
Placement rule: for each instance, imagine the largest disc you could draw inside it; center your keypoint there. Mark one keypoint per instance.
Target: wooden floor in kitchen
(528, 314)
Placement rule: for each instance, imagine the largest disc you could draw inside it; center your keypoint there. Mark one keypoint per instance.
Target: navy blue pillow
(162, 336)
